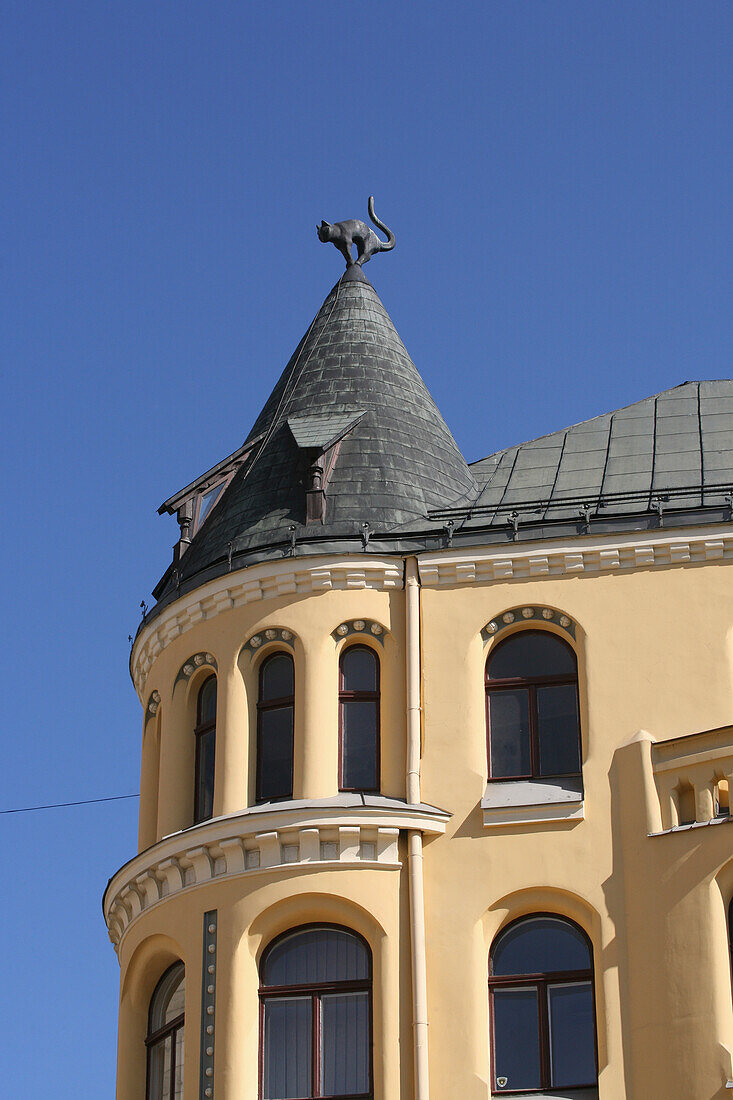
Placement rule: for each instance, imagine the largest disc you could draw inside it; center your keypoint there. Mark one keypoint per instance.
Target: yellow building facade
(435, 757)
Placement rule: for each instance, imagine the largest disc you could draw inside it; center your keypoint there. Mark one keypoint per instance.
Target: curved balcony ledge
(343, 831)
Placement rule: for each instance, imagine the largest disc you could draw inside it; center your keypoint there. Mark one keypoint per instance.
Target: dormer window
(194, 504)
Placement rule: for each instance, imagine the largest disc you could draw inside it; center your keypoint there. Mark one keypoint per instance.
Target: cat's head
(324, 231)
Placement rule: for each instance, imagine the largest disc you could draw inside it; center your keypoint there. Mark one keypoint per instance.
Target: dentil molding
(582, 555)
(332, 834)
(291, 576)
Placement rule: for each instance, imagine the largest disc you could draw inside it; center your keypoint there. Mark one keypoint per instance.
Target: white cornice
(263, 840)
(296, 576)
(525, 561)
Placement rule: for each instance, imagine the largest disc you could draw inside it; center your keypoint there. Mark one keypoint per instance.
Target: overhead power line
(62, 805)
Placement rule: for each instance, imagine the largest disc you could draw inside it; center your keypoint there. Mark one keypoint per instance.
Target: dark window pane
(316, 955)
(572, 1039)
(540, 945)
(509, 733)
(287, 1048)
(359, 670)
(557, 730)
(159, 1070)
(208, 500)
(178, 1079)
(207, 702)
(205, 748)
(531, 654)
(359, 745)
(277, 677)
(345, 1044)
(168, 999)
(276, 753)
(516, 1038)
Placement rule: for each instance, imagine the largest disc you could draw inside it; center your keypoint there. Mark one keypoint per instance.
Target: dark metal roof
(673, 450)
(350, 377)
(397, 483)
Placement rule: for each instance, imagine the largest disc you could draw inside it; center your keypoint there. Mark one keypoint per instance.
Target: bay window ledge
(529, 801)
(282, 838)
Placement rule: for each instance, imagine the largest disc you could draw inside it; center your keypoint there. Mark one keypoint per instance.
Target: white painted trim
(257, 842)
(296, 576)
(533, 815)
(585, 554)
(529, 801)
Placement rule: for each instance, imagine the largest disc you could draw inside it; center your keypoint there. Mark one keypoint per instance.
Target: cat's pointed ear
(323, 223)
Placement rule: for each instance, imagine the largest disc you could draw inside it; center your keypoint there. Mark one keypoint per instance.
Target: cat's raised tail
(384, 246)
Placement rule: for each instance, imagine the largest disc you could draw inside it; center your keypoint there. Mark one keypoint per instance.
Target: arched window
(316, 1016)
(165, 1036)
(275, 712)
(359, 720)
(203, 798)
(532, 708)
(542, 1006)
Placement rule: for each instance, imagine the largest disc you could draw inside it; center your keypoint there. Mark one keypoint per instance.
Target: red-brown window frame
(202, 728)
(541, 983)
(530, 684)
(161, 1034)
(361, 696)
(274, 704)
(316, 991)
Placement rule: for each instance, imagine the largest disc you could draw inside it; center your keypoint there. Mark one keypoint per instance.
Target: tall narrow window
(165, 1036)
(542, 1007)
(359, 720)
(532, 708)
(203, 799)
(316, 1016)
(275, 713)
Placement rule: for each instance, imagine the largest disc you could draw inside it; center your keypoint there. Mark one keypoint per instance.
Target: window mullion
(545, 1060)
(533, 732)
(317, 1040)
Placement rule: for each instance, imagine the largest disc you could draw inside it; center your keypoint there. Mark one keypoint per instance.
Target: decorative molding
(583, 555)
(368, 627)
(270, 634)
(688, 772)
(192, 664)
(291, 576)
(284, 839)
(208, 1006)
(526, 614)
(153, 703)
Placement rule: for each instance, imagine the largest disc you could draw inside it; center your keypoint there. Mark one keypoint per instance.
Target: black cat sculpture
(355, 232)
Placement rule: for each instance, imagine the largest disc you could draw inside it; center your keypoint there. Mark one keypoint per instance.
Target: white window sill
(529, 801)
(561, 1094)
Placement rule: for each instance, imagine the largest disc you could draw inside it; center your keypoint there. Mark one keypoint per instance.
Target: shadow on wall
(670, 946)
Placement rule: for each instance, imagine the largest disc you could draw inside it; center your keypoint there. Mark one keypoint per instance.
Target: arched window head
(203, 798)
(316, 1016)
(359, 754)
(275, 715)
(165, 1036)
(532, 708)
(542, 1007)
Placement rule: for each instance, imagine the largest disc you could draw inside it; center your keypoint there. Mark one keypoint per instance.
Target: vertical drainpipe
(417, 892)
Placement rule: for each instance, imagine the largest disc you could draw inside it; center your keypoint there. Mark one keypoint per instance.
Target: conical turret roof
(350, 390)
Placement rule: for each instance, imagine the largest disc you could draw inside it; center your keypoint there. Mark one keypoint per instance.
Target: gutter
(415, 845)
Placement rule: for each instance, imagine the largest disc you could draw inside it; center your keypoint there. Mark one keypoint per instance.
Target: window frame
(530, 685)
(345, 696)
(315, 992)
(200, 730)
(541, 982)
(162, 1033)
(274, 704)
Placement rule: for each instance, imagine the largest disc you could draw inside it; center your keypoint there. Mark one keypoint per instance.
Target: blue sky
(558, 175)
